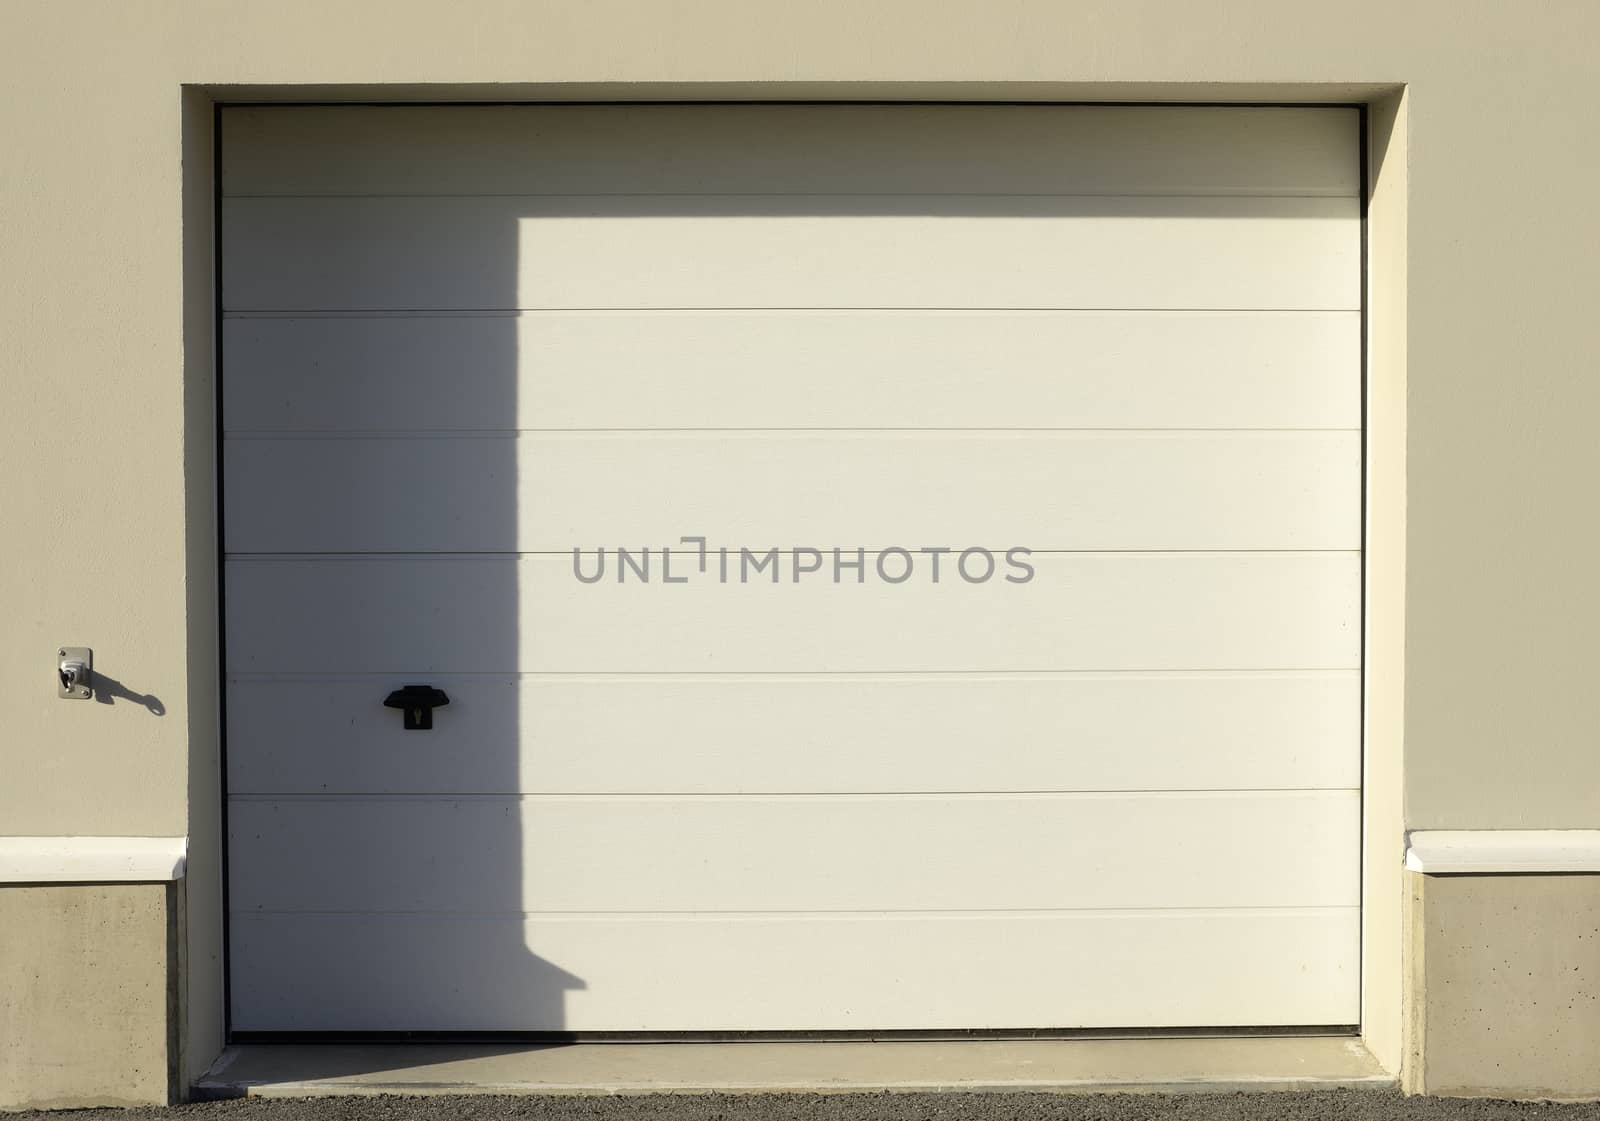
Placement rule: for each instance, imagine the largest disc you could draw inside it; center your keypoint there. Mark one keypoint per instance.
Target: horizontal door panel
(794, 734)
(561, 853)
(805, 149)
(763, 973)
(497, 614)
(502, 252)
(793, 369)
(550, 492)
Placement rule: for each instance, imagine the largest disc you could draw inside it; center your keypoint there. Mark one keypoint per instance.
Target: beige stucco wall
(85, 1012)
(1509, 999)
(1502, 262)
(1485, 272)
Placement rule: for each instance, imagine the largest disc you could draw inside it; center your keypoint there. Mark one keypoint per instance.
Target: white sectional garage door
(809, 791)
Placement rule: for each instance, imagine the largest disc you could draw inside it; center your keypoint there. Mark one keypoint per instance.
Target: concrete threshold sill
(1149, 1065)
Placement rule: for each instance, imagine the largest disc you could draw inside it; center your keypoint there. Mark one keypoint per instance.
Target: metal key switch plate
(75, 673)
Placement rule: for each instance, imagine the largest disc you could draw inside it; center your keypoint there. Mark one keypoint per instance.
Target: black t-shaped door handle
(418, 703)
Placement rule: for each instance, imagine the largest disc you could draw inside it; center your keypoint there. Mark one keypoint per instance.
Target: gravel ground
(1339, 1105)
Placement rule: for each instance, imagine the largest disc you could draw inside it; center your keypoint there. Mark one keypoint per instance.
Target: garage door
(889, 567)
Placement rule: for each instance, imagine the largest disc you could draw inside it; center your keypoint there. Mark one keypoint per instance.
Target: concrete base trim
(1505, 986)
(1054, 1066)
(1504, 850)
(87, 1015)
